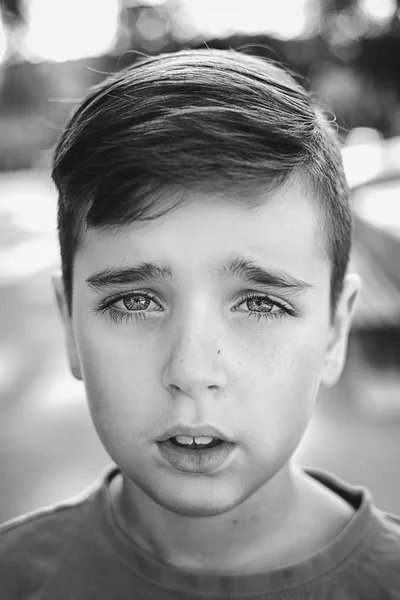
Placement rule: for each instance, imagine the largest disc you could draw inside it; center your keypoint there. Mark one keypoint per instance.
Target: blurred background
(51, 52)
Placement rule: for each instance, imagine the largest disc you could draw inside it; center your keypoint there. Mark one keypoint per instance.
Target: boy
(205, 231)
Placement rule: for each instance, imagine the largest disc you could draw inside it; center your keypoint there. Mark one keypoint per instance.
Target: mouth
(201, 435)
(195, 443)
(197, 453)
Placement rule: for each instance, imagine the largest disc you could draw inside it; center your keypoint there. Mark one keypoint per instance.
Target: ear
(336, 352)
(72, 351)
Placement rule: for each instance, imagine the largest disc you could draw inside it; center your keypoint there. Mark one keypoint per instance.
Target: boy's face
(203, 347)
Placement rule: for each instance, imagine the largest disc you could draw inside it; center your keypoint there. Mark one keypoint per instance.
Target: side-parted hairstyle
(216, 120)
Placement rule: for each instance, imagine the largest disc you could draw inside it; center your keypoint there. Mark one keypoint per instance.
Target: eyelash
(118, 316)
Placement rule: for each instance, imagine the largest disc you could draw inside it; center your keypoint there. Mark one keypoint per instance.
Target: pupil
(139, 304)
(259, 303)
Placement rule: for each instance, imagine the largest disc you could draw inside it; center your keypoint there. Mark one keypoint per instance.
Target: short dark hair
(196, 119)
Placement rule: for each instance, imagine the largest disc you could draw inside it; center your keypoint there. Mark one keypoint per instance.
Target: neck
(273, 528)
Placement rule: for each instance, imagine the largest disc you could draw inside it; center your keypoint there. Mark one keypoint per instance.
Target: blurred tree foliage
(351, 63)
(13, 13)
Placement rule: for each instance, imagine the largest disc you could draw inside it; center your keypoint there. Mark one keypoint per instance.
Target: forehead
(280, 230)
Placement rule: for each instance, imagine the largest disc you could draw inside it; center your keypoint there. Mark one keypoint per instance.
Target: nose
(196, 364)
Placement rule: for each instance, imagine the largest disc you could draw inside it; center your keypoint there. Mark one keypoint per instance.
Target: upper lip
(195, 431)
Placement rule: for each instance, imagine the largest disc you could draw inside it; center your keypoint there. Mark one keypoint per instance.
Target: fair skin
(203, 355)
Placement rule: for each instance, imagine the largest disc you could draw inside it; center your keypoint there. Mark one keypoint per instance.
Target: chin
(198, 498)
(196, 508)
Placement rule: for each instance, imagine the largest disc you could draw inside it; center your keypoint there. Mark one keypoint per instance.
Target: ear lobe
(336, 353)
(62, 304)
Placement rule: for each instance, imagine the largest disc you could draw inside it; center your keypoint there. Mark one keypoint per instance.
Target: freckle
(235, 522)
(219, 351)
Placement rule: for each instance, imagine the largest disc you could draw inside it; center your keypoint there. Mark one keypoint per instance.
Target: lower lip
(196, 461)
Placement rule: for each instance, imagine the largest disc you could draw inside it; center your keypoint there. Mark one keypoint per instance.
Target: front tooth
(203, 440)
(184, 439)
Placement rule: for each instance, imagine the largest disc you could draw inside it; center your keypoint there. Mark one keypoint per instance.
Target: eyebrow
(143, 271)
(238, 267)
(251, 272)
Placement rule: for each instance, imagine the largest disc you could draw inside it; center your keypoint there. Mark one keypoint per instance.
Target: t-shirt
(75, 550)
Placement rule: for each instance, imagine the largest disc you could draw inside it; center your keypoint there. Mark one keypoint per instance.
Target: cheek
(284, 375)
(118, 374)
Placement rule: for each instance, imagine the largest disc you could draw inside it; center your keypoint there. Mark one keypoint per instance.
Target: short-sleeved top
(75, 550)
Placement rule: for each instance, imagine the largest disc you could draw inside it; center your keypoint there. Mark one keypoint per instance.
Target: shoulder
(364, 558)
(385, 535)
(33, 545)
(36, 546)
(38, 527)
(378, 557)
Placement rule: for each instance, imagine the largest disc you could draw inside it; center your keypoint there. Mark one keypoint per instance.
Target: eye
(264, 306)
(135, 302)
(130, 306)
